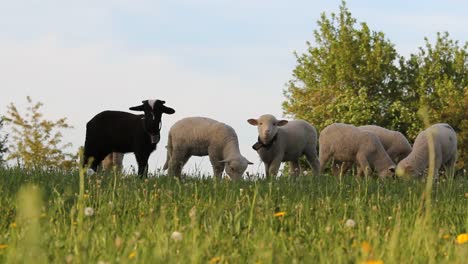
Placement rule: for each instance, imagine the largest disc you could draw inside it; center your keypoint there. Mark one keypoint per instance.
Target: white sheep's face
(404, 169)
(388, 172)
(267, 126)
(235, 167)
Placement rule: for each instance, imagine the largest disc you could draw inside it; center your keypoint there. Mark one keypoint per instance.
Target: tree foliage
(3, 142)
(36, 141)
(354, 75)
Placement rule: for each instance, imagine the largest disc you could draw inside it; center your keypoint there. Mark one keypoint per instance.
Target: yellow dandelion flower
(215, 260)
(366, 247)
(13, 225)
(466, 195)
(132, 254)
(85, 196)
(446, 236)
(2, 246)
(462, 238)
(280, 214)
(373, 262)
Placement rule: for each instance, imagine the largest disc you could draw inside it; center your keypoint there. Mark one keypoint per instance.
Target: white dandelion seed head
(176, 236)
(88, 211)
(350, 223)
(305, 173)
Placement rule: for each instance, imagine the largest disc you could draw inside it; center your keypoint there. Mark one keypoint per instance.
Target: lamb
(115, 131)
(201, 136)
(347, 143)
(282, 141)
(111, 160)
(445, 147)
(395, 144)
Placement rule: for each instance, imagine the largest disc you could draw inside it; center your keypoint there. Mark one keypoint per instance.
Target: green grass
(42, 220)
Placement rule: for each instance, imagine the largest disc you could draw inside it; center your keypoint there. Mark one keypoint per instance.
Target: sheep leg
(313, 162)
(142, 160)
(294, 168)
(363, 166)
(267, 170)
(177, 162)
(324, 156)
(218, 167)
(275, 165)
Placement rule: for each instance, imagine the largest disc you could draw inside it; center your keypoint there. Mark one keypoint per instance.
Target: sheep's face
(388, 172)
(267, 127)
(153, 110)
(236, 167)
(404, 169)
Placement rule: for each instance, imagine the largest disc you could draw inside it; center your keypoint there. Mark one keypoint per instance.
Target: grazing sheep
(111, 160)
(115, 131)
(395, 144)
(201, 136)
(282, 140)
(445, 147)
(347, 143)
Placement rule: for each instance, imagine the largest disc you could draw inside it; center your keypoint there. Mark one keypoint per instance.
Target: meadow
(59, 217)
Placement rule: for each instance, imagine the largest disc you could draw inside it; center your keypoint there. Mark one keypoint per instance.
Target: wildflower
(462, 238)
(366, 247)
(215, 260)
(305, 173)
(466, 195)
(280, 214)
(132, 255)
(350, 223)
(13, 225)
(446, 236)
(85, 196)
(176, 236)
(328, 229)
(2, 246)
(373, 262)
(69, 259)
(88, 211)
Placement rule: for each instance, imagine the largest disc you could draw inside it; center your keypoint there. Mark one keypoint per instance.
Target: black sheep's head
(153, 110)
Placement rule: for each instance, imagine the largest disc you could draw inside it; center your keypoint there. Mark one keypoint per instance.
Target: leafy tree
(437, 78)
(3, 141)
(348, 75)
(354, 75)
(37, 142)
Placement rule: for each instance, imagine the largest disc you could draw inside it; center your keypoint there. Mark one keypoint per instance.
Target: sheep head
(236, 167)
(267, 127)
(153, 110)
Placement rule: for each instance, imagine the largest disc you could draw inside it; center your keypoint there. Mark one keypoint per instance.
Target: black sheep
(115, 131)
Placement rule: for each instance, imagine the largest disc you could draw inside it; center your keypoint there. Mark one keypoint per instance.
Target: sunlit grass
(203, 220)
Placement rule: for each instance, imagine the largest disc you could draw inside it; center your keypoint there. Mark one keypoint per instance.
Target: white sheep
(347, 143)
(445, 147)
(395, 144)
(282, 140)
(201, 136)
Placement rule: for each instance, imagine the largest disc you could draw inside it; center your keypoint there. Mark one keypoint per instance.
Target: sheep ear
(281, 122)
(137, 108)
(163, 108)
(167, 110)
(253, 122)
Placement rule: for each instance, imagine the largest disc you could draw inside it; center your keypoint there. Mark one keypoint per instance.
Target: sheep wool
(201, 136)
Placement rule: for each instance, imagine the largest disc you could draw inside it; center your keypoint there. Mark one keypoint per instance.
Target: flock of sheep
(371, 148)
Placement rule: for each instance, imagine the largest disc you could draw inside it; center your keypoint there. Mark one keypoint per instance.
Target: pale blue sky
(228, 60)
